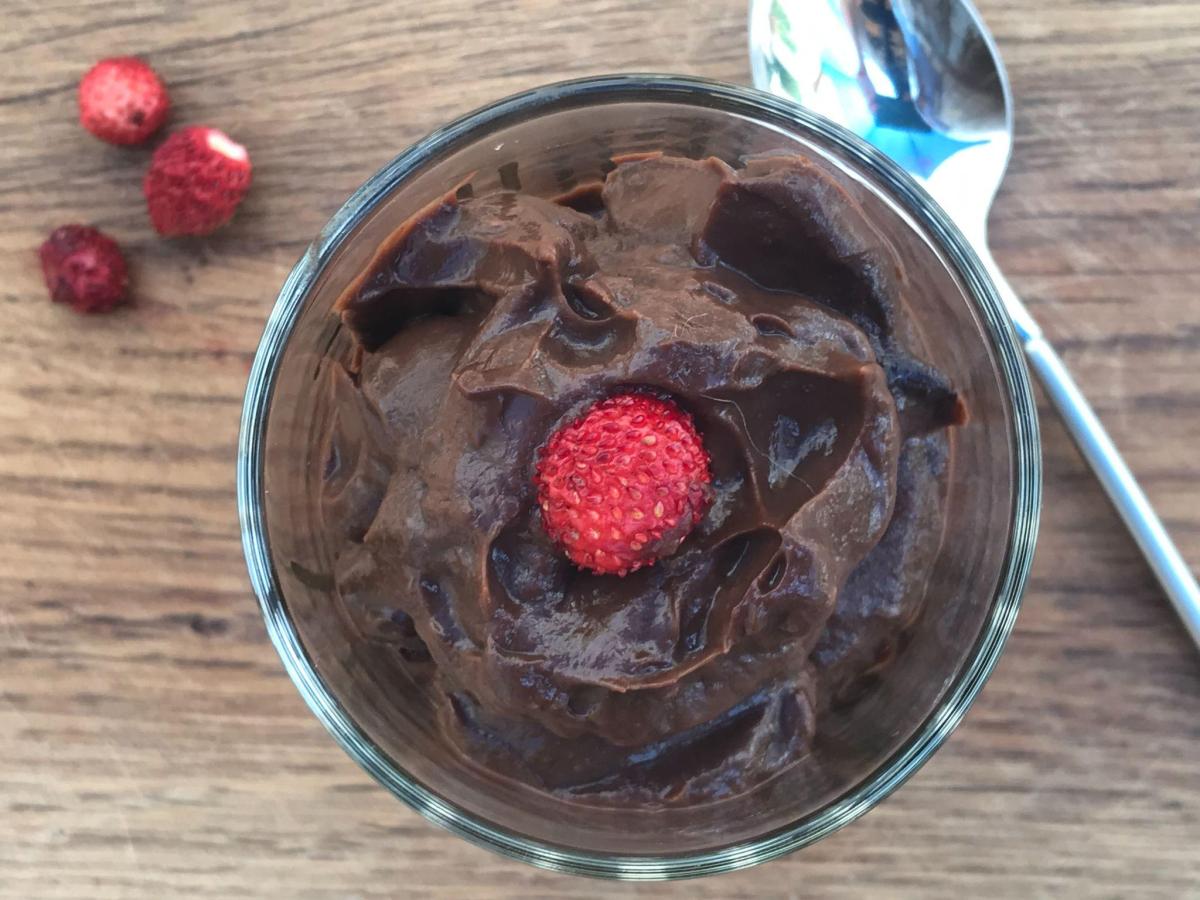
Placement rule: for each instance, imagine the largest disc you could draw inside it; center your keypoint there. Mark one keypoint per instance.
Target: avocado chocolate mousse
(641, 480)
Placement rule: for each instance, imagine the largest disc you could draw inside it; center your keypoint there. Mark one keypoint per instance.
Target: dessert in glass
(639, 476)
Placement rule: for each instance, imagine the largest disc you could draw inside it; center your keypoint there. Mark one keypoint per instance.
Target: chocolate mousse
(762, 304)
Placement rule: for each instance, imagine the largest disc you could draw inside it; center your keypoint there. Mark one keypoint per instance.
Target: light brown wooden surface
(150, 743)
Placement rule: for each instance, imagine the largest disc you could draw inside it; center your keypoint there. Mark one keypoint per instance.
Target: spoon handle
(1168, 565)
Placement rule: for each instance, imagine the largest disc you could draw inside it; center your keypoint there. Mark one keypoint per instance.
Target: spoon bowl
(919, 79)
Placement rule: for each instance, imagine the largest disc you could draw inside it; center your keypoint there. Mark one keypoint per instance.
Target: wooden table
(150, 743)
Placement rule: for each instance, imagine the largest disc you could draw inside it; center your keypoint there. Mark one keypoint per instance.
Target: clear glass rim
(965, 685)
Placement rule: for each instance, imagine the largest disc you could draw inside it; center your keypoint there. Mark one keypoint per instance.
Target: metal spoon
(922, 80)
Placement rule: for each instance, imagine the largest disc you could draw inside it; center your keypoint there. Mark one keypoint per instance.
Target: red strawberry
(196, 180)
(122, 101)
(621, 486)
(84, 268)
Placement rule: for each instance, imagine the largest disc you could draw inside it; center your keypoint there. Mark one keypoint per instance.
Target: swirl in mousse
(639, 480)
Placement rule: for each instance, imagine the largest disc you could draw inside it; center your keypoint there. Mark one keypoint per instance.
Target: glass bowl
(547, 141)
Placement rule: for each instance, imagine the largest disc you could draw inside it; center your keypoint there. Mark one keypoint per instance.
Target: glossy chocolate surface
(763, 302)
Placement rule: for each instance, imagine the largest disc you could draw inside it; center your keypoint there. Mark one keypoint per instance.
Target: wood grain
(150, 744)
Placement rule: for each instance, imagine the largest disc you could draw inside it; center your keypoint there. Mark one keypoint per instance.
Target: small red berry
(622, 486)
(196, 180)
(122, 100)
(84, 268)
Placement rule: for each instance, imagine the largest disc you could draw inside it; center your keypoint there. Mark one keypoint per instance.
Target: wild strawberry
(84, 268)
(622, 486)
(196, 180)
(122, 100)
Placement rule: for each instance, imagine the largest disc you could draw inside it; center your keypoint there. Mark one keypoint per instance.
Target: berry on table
(84, 268)
(122, 100)
(195, 182)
